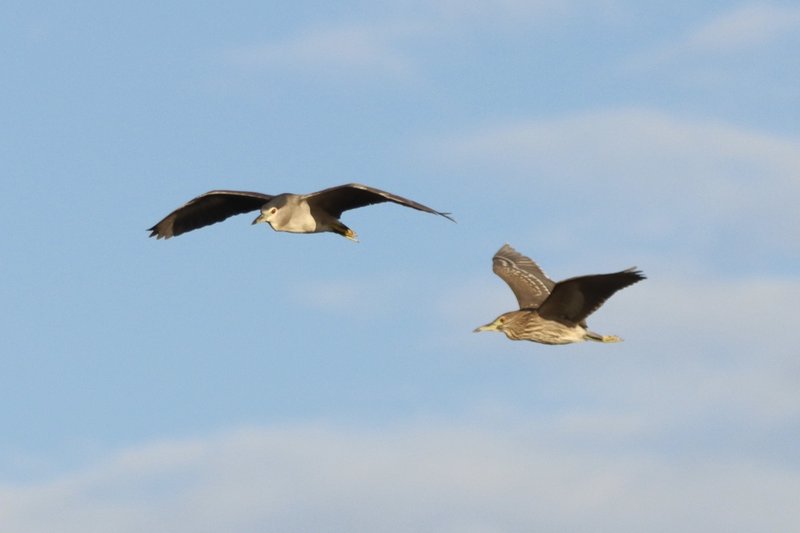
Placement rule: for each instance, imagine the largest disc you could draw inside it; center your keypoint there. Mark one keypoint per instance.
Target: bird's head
(498, 324)
(270, 210)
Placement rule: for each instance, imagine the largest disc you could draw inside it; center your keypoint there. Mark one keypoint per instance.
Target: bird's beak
(259, 218)
(487, 327)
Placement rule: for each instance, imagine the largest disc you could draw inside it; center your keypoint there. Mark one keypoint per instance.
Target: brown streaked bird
(315, 212)
(550, 312)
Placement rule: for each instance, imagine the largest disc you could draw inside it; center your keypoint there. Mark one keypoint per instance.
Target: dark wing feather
(574, 299)
(206, 209)
(527, 281)
(336, 200)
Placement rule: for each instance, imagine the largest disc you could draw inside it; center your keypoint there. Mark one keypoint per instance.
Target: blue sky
(235, 378)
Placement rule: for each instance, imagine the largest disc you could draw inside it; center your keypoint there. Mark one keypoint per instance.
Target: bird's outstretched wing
(572, 300)
(353, 195)
(206, 209)
(527, 281)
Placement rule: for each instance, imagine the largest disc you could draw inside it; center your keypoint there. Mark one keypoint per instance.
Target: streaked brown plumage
(297, 213)
(553, 313)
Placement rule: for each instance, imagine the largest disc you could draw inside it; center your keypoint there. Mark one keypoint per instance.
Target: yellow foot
(611, 338)
(350, 234)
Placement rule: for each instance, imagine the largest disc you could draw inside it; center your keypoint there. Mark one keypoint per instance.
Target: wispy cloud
(744, 27)
(676, 177)
(625, 137)
(388, 44)
(412, 477)
(505, 11)
(748, 28)
(330, 50)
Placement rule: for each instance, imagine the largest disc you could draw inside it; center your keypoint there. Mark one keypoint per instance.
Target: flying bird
(550, 312)
(315, 212)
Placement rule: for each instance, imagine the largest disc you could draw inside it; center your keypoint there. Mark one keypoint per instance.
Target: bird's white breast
(299, 220)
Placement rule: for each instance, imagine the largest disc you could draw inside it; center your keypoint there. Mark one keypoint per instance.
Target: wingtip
(635, 271)
(505, 246)
(155, 233)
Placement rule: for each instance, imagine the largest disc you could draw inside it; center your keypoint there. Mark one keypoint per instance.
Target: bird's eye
(501, 320)
(273, 210)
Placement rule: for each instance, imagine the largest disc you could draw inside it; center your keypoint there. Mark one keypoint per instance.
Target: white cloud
(509, 11)
(623, 138)
(331, 50)
(409, 477)
(733, 34)
(388, 42)
(744, 27)
(643, 172)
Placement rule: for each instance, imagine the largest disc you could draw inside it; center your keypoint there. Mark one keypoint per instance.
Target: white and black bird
(550, 312)
(297, 213)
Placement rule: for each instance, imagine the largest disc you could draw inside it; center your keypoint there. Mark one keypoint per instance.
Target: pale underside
(298, 219)
(537, 329)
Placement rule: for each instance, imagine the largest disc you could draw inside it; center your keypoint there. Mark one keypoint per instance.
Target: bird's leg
(592, 336)
(350, 234)
(344, 231)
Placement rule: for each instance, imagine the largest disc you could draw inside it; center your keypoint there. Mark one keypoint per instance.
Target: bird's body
(296, 219)
(295, 213)
(550, 312)
(527, 324)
